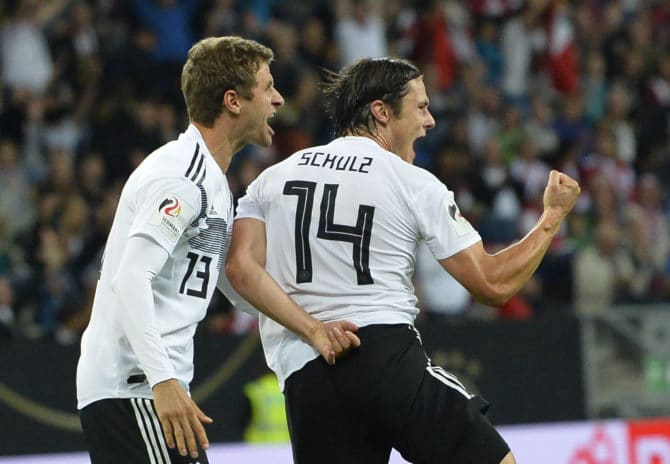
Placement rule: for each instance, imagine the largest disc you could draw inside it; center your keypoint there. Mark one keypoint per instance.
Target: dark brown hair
(348, 94)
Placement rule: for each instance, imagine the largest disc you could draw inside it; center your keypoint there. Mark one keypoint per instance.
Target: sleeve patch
(461, 225)
(171, 216)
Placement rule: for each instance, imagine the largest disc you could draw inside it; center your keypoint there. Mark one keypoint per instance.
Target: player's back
(341, 230)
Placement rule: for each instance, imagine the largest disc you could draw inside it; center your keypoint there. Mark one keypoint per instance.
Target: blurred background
(88, 88)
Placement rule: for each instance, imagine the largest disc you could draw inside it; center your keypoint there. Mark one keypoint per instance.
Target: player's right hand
(181, 418)
(334, 339)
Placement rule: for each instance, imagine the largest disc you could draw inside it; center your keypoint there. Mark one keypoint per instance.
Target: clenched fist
(561, 194)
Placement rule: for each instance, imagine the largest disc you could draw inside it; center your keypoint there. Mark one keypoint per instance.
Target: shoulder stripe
(202, 176)
(195, 156)
(197, 170)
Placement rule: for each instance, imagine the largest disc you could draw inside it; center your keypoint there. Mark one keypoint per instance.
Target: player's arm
(141, 261)
(180, 417)
(224, 286)
(245, 268)
(494, 279)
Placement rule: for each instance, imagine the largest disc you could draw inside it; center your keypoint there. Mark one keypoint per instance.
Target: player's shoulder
(183, 157)
(414, 178)
(175, 168)
(417, 174)
(288, 164)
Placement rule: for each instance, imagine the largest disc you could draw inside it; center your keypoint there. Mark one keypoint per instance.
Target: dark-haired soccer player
(334, 229)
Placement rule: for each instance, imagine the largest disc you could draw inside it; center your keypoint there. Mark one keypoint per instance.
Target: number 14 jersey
(343, 222)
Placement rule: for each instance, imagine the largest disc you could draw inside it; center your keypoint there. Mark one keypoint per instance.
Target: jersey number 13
(358, 235)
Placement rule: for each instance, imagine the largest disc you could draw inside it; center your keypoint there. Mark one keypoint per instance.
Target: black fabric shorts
(386, 395)
(128, 431)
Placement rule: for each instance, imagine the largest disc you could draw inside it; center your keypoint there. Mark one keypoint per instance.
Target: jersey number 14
(358, 235)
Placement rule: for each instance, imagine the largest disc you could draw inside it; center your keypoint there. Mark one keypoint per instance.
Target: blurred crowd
(89, 87)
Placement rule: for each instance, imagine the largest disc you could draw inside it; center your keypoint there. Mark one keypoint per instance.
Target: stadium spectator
(529, 171)
(497, 195)
(602, 271)
(488, 47)
(538, 127)
(561, 49)
(170, 23)
(650, 196)
(25, 54)
(360, 30)
(521, 37)
(595, 87)
(441, 298)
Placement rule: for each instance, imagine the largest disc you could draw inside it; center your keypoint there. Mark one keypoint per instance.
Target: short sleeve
(249, 206)
(440, 222)
(164, 209)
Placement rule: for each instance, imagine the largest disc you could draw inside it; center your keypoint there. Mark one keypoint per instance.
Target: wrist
(550, 220)
(163, 383)
(311, 328)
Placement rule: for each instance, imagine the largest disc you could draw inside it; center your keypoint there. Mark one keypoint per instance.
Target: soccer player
(334, 229)
(162, 260)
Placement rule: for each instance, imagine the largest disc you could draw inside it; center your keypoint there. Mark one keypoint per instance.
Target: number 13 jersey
(343, 222)
(179, 198)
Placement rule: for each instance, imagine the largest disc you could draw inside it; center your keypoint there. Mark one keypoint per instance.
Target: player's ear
(380, 111)
(231, 102)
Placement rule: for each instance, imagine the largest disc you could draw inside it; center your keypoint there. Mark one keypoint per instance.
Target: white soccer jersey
(343, 222)
(180, 198)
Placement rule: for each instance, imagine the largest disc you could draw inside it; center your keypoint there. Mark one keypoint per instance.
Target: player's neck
(386, 140)
(379, 138)
(218, 144)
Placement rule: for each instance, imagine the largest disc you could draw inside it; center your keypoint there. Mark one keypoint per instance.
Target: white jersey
(180, 198)
(343, 222)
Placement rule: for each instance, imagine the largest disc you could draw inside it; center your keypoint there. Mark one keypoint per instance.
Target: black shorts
(386, 395)
(128, 431)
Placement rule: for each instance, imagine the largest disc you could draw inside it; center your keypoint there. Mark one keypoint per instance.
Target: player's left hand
(181, 418)
(334, 339)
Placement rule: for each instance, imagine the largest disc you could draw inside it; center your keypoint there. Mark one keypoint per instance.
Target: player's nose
(277, 99)
(429, 121)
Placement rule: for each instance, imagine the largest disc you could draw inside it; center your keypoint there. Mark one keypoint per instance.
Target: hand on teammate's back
(181, 418)
(334, 339)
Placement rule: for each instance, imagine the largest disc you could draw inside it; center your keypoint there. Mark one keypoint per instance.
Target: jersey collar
(193, 133)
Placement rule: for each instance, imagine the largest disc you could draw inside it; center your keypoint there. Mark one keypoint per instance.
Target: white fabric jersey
(179, 198)
(343, 222)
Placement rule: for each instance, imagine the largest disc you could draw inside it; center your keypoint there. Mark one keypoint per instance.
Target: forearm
(258, 287)
(234, 297)
(132, 287)
(513, 266)
(509, 270)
